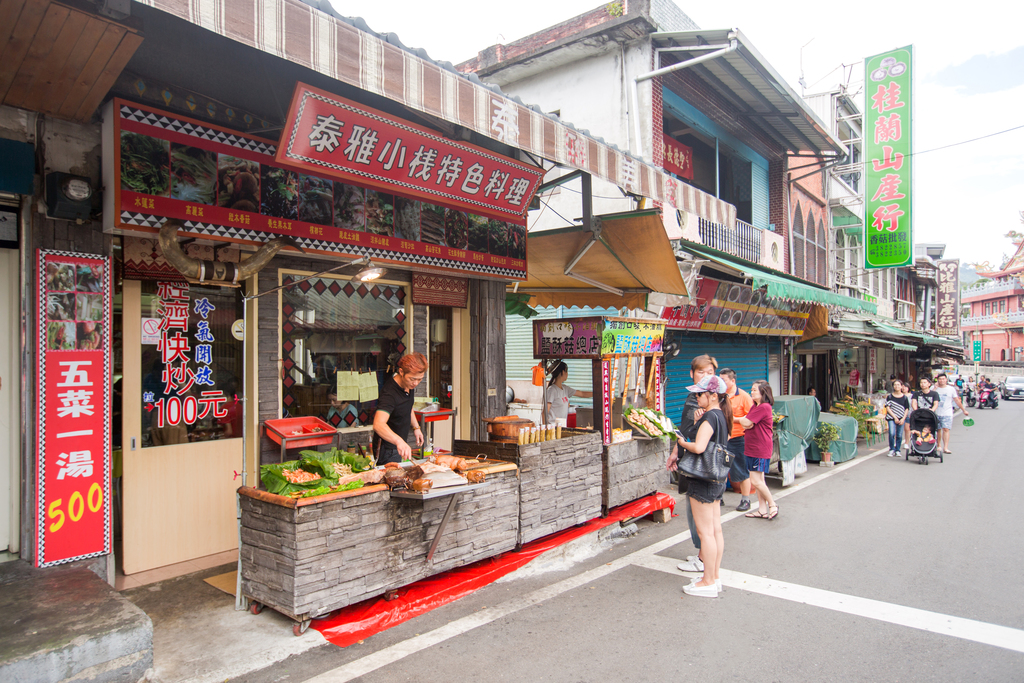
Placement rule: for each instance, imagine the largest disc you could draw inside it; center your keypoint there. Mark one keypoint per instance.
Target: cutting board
(442, 479)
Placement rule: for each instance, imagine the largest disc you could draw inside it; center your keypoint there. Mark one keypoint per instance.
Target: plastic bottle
(428, 448)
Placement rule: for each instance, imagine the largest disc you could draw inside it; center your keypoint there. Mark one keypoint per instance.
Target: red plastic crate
(296, 426)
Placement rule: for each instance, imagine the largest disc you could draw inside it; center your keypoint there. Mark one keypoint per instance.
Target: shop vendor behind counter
(394, 414)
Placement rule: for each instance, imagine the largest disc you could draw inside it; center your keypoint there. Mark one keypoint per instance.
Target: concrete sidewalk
(68, 624)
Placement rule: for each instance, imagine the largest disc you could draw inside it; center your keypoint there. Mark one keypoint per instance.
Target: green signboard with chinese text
(888, 120)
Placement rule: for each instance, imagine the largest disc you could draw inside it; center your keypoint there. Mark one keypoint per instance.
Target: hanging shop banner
(632, 336)
(568, 338)
(678, 158)
(888, 159)
(737, 309)
(227, 186)
(73, 412)
(947, 304)
(342, 139)
(596, 337)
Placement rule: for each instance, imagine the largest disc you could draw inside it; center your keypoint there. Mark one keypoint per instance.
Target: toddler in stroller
(923, 427)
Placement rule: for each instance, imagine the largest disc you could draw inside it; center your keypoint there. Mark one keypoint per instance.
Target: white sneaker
(701, 591)
(718, 582)
(692, 564)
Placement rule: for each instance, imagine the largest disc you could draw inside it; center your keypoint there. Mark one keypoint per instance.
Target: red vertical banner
(73, 369)
(659, 394)
(606, 401)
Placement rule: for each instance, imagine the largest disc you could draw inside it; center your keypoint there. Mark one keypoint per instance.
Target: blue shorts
(945, 421)
(758, 464)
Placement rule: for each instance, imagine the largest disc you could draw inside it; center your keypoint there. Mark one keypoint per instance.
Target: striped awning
(301, 34)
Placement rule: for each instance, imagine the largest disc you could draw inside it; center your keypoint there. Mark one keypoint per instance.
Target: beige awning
(632, 255)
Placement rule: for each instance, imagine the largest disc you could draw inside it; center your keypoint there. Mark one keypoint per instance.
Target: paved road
(877, 570)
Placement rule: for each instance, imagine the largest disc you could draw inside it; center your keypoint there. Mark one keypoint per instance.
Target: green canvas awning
(779, 285)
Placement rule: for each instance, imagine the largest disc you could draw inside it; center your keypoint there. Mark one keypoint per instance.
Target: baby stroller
(919, 419)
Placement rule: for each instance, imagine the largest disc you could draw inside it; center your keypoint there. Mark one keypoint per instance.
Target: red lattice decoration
(439, 290)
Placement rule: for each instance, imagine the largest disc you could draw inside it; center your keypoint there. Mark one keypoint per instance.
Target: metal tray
(439, 493)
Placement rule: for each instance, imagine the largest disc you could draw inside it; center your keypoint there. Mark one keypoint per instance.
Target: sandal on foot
(773, 515)
(756, 514)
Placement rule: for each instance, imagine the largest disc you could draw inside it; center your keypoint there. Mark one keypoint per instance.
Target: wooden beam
(75, 62)
(37, 98)
(129, 44)
(23, 30)
(97, 61)
(35, 59)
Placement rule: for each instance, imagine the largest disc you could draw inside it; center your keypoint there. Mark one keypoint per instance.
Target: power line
(964, 142)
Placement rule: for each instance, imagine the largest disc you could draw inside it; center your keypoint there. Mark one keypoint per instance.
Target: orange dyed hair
(412, 363)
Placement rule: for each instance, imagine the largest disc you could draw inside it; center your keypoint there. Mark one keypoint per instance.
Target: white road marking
(642, 557)
(933, 622)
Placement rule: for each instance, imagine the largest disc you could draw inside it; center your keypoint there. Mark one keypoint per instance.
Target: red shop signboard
(678, 158)
(333, 136)
(73, 442)
(227, 186)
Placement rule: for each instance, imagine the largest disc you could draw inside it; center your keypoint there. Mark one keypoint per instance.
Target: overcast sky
(970, 83)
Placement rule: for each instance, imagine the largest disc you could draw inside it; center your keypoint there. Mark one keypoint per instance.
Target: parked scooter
(988, 398)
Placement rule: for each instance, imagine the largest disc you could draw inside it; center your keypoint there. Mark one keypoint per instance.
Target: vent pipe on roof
(722, 51)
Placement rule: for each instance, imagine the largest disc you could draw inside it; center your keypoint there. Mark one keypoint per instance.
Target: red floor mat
(364, 619)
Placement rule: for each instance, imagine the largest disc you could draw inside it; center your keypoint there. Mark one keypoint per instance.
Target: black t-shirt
(687, 425)
(397, 402)
(927, 401)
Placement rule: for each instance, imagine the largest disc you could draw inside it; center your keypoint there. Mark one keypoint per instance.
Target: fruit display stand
(307, 557)
(559, 480)
(634, 468)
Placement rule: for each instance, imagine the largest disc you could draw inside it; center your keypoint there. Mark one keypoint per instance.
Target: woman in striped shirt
(897, 407)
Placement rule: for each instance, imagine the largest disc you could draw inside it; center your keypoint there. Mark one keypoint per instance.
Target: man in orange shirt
(741, 405)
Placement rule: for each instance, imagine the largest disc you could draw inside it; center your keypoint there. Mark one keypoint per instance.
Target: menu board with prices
(73, 367)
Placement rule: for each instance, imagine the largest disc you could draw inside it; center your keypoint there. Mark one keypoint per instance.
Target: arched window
(812, 238)
(822, 253)
(798, 242)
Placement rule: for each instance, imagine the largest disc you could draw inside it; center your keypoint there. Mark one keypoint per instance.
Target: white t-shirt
(558, 397)
(946, 394)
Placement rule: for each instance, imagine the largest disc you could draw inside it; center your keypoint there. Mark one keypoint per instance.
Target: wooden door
(179, 500)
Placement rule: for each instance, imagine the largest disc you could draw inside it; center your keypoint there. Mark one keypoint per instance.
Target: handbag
(711, 465)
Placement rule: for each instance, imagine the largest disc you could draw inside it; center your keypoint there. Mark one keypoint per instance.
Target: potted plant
(827, 433)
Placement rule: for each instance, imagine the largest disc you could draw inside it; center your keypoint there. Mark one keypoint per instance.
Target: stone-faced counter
(559, 480)
(305, 558)
(633, 469)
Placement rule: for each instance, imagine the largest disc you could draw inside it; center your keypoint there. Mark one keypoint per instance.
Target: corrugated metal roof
(754, 88)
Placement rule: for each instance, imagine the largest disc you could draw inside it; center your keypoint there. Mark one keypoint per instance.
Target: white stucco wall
(593, 94)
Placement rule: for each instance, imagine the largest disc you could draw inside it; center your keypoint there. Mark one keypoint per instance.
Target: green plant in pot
(827, 434)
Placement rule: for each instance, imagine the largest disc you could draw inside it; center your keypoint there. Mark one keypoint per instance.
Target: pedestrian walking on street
(759, 426)
(741, 404)
(897, 407)
(700, 367)
(714, 426)
(948, 396)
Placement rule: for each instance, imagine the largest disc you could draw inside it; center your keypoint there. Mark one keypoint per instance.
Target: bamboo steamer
(505, 428)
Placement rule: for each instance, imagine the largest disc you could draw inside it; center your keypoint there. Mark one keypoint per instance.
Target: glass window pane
(340, 340)
(191, 363)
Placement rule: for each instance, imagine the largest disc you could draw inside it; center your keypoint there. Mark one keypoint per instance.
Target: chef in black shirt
(394, 413)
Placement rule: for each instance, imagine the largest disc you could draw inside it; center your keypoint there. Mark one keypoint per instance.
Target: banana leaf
(275, 482)
(322, 462)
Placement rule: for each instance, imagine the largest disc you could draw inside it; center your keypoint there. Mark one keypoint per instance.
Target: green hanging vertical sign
(887, 131)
